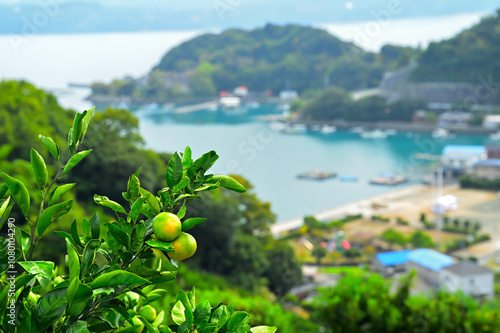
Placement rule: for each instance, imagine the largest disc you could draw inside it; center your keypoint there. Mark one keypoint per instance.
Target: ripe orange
(184, 246)
(167, 227)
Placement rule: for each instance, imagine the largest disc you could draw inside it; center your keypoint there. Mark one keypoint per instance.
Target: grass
(341, 270)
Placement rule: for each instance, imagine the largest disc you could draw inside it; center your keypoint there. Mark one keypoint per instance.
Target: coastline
(363, 206)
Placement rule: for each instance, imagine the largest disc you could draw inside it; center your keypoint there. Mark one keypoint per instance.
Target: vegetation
(482, 184)
(365, 304)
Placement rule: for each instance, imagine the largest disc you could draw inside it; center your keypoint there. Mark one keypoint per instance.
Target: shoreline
(354, 208)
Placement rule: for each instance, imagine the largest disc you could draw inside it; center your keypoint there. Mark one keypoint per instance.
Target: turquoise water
(271, 160)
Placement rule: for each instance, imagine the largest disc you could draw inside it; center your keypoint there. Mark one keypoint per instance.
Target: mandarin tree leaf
(58, 192)
(174, 170)
(19, 193)
(51, 146)
(117, 278)
(74, 160)
(52, 213)
(39, 169)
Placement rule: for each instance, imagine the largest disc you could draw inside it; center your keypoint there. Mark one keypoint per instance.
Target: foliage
(392, 237)
(482, 184)
(380, 218)
(420, 239)
(107, 270)
(364, 303)
(319, 253)
(402, 221)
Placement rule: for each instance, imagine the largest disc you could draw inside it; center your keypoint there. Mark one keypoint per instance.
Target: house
(468, 277)
(454, 119)
(493, 151)
(387, 263)
(462, 156)
(289, 95)
(487, 169)
(428, 263)
(240, 91)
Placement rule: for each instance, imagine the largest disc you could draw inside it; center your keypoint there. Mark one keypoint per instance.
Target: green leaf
(119, 234)
(152, 200)
(147, 325)
(202, 314)
(135, 211)
(58, 192)
(5, 216)
(85, 122)
(3, 209)
(95, 226)
(191, 222)
(75, 131)
(39, 169)
(73, 260)
(5, 151)
(22, 239)
(51, 146)
(88, 257)
(78, 296)
(117, 278)
(74, 233)
(105, 202)
(163, 277)
(79, 326)
(164, 246)
(19, 193)
(3, 189)
(159, 319)
(50, 308)
(52, 213)
(229, 183)
(183, 297)
(183, 183)
(178, 313)
(21, 281)
(237, 318)
(186, 158)
(206, 161)
(133, 188)
(182, 211)
(74, 160)
(42, 269)
(138, 237)
(264, 329)
(174, 170)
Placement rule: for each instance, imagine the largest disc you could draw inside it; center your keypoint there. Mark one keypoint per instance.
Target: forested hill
(272, 56)
(473, 53)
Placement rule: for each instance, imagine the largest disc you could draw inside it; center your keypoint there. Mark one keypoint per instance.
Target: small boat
(348, 178)
(376, 134)
(316, 175)
(295, 129)
(495, 136)
(327, 129)
(440, 133)
(389, 179)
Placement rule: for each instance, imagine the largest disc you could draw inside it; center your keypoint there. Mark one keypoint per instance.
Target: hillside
(274, 57)
(473, 53)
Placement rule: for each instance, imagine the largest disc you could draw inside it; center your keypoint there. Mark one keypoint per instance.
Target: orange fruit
(167, 227)
(148, 312)
(184, 247)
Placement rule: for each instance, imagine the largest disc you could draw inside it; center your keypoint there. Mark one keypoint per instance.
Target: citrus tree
(112, 269)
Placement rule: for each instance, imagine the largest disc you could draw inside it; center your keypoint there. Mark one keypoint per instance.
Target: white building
(468, 277)
(463, 157)
(289, 95)
(491, 121)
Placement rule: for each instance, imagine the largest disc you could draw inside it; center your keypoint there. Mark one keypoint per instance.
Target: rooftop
(393, 258)
(489, 162)
(430, 259)
(467, 268)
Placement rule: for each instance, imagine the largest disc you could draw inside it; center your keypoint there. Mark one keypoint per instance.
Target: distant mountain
(276, 57)
(472, 54)
(131, 15)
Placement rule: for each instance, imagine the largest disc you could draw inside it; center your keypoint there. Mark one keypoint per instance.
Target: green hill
(473, 53)
(275, 56)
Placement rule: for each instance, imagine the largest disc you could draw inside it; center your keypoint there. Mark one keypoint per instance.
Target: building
(240, 91)
(428, 263)
(487, 169)
(468, 277)
(289, 95)
(493, 151)
(462, 157)
(454, 119)
(388, 263)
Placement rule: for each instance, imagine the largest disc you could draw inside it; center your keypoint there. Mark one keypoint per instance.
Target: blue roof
(430, 259)
(489, 162)
(393, 258)
(464, 149)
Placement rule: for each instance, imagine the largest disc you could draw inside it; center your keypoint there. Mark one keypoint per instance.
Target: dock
(196, 107)
(316, 175)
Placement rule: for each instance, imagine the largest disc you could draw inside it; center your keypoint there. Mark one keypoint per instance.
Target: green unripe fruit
(167, 227)
(184, 247)
(148, 312)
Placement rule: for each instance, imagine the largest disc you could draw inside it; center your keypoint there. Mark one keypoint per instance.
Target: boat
(295, 129)
(327, 129)
(495, 136)
(277, 126)
(440, 133)
(348, 178)
(357, 129)
(389, 179)
(316, 175)
(375, 134)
